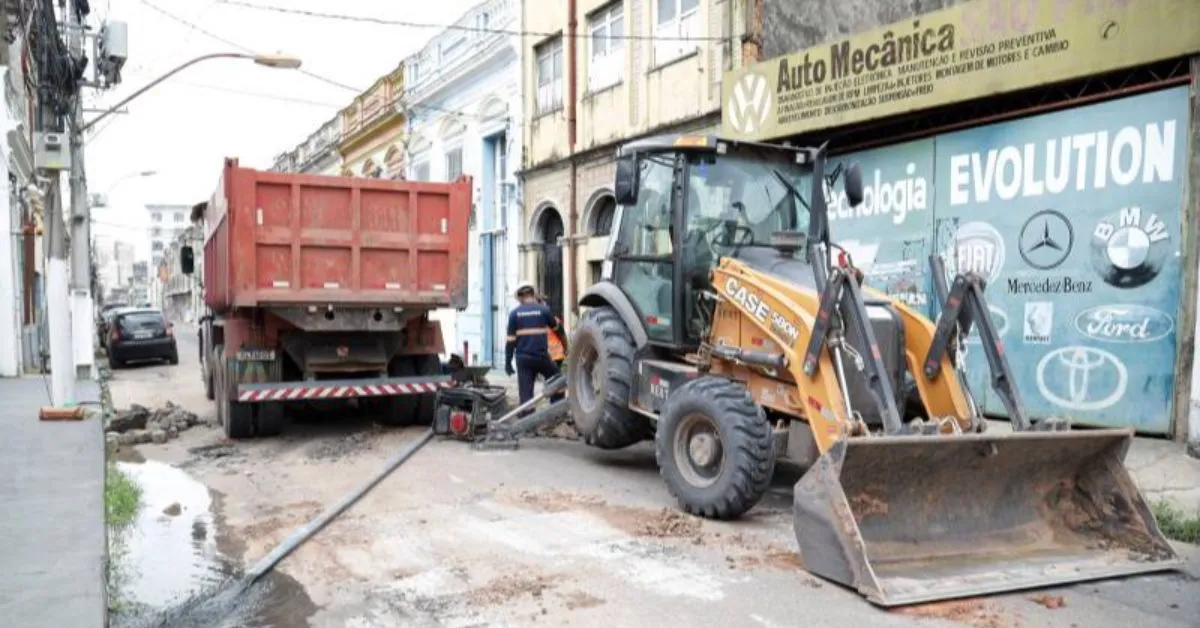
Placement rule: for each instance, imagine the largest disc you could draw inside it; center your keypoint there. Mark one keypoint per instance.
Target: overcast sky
(186, 126)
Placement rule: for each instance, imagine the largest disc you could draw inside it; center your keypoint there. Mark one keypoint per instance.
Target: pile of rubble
(139, 424)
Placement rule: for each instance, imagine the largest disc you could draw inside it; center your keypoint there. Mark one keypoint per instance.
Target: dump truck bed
(284, 239)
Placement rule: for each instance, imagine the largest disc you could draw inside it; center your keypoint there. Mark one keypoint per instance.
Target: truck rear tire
(600, 378)
(398, 411)
(715, 448)
(237, 419)
(209, 390)
(269, 419)
(426, 365)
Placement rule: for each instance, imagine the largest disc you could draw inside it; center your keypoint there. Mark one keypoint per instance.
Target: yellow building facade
(372, 130)
(631, 68)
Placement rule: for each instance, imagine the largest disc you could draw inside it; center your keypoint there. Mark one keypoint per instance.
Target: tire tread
(752, 453)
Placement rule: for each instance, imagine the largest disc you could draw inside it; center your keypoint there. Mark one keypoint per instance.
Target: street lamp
(278, 61)
(101, 200)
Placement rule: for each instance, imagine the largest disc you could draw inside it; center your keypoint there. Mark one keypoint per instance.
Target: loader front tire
(715, 448)
(599, 380)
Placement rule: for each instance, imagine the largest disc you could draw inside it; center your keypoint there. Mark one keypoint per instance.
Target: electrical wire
(455, 27)
(229, 42)
(242, 92)
(97, 131)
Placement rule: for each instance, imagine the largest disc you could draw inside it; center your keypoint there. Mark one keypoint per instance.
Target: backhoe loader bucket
(907, 519)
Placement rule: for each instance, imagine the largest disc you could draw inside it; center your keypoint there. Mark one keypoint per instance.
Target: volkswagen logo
(1124, 323)
(1082, 378)
(1046, 240)
(977, 248)
(750, 104)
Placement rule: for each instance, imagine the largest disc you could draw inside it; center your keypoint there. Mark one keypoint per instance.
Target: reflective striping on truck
(303, 391)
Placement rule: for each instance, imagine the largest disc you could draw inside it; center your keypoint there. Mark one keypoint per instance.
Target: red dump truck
(318, 291)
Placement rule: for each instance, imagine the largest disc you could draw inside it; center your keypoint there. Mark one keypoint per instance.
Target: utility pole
(58, 301)
(83, 328)
(58, 305)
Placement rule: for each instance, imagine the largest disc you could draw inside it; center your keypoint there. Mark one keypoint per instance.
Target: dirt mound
(667, 524)
(558, 501)
(136, 424)
(972, 612)
(504, 590)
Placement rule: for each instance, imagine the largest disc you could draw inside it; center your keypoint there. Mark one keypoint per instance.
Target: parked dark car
(105, 322)
(140, 334)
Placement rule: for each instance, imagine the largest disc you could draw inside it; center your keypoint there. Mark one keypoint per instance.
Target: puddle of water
(175, 574)
(168, 557)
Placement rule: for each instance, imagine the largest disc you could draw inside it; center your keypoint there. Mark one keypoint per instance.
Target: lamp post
(102, 199)
(71, 340)
(99, 201)
(282, 62)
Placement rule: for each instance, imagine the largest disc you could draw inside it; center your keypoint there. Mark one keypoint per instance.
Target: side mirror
(187, 260)
(625, 189)
(852, 181)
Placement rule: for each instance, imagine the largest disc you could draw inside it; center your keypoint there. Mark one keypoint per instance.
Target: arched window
(393, 161)
(602, 216)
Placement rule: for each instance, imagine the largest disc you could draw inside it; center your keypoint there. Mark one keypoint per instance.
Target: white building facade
(462, 95)
(167, 222)
(182, 298)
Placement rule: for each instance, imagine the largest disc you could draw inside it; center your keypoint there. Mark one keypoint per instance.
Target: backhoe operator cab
(686, 201)
(684, 204)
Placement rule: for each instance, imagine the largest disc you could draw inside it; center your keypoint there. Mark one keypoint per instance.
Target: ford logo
(1124, 323)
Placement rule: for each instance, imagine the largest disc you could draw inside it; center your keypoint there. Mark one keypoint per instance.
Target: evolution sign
(968, 51)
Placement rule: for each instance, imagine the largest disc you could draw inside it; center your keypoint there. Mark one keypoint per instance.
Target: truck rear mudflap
(341, 389)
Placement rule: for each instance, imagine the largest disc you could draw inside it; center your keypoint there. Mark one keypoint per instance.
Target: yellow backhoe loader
(726, 329)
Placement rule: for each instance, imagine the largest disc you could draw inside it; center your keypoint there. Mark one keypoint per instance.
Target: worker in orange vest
(555, 344)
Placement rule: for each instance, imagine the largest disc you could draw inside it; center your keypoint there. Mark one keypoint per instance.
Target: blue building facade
(1075, 218)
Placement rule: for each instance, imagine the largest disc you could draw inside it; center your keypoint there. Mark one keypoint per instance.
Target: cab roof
(701, 142)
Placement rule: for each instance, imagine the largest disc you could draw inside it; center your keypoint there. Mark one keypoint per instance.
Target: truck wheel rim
(589, 378)
(699, 453)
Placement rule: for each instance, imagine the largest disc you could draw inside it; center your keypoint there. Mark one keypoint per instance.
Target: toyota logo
(750, 104)
(1082, 378)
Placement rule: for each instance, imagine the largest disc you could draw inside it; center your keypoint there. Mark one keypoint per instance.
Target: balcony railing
(501, 14)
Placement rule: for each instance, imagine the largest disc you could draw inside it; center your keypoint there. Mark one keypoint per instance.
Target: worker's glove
(508, 369)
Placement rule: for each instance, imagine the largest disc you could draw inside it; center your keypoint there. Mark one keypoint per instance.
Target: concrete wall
(793, 25)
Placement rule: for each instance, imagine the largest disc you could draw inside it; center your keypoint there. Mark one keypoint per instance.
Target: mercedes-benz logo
(1046, 239)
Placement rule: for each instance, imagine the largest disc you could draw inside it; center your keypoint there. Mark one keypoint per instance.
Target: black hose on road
(298, 538)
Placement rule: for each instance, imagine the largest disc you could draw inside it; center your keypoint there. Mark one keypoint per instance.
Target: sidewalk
(52, 526)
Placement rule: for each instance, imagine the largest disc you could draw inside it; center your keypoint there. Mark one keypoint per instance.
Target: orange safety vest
(554, 344)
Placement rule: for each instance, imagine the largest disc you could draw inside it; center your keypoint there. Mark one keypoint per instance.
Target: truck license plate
(256, 355)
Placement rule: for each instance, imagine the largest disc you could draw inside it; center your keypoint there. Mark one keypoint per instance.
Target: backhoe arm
(755, 305)
(964, 306)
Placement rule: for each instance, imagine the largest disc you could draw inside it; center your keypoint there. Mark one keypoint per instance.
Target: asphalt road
(554, 534)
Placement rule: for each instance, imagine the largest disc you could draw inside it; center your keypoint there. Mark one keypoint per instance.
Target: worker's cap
(524, 287)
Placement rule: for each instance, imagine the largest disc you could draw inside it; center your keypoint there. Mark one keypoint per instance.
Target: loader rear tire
(599, 380)
(715, 448)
